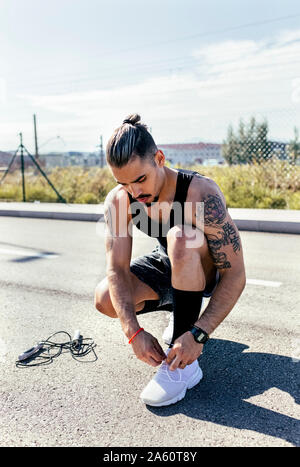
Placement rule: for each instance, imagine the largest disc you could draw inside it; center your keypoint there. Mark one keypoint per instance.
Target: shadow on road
(230, 377)
(35, 256)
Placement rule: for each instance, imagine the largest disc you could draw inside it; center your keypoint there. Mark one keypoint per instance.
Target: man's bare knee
(186, 250)
(102, 300)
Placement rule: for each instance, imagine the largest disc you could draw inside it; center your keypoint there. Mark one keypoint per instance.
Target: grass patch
(271, 185)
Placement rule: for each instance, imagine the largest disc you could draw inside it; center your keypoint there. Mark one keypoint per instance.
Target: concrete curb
(268, 226)
(256, 220)
(267, 220)
(68, 216)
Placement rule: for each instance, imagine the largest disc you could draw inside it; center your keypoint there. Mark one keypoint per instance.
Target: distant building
(193, 153)
(51, 160)
(279, 149)
(71, 158)
(6, 158)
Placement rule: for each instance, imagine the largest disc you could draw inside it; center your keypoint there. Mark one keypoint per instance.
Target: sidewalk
(258, 220)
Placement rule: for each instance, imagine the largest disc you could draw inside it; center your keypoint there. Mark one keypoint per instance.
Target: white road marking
(263, 283)
(32, 254)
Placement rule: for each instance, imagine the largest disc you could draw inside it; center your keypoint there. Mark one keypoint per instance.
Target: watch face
(200, 336)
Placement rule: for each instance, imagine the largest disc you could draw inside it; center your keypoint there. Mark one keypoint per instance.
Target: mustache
(155, 199)
(143, 196)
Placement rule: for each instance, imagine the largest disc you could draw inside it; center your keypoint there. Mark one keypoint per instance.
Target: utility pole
(101, 153)
(22, 148)
(22, 167)
(35, 138)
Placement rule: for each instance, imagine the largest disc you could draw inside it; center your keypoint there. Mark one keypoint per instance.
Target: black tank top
(156, 229)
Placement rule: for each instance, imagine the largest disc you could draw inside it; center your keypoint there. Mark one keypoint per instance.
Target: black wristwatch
(200, 336)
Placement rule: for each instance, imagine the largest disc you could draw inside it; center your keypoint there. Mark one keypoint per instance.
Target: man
(199, 254)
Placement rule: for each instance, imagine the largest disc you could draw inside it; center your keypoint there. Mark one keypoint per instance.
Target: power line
(219, 31)
(182, 65)
(197, 35)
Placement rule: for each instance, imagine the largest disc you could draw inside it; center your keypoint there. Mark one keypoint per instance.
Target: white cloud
(226, 52)
(232, 79)
(289, 35)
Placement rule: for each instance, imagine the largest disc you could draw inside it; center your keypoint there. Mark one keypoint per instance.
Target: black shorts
(154, 270)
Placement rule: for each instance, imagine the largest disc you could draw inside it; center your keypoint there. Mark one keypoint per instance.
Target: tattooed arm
(226, 250)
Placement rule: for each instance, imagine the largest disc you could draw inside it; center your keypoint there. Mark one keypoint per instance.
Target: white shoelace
(174, 376)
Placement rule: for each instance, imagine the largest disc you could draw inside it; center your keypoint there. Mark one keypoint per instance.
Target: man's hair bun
(132, 119)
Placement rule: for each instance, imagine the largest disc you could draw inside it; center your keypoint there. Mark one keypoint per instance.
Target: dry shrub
(273, 184)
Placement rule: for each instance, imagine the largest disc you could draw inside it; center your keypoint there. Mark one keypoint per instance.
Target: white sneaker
(168, 387)
(168, 332)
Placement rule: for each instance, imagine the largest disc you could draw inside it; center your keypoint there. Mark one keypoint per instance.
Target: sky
(188, 67)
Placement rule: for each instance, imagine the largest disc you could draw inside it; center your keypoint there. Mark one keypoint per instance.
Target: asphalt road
(249, 395)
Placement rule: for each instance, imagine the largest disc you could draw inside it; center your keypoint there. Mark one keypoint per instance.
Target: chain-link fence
(256, 164)
(263, 136)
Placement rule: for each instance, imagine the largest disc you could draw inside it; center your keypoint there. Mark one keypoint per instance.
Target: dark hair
(132, 139)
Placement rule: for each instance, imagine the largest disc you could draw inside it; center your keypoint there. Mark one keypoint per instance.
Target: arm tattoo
(226, 236)
(219, 258)
(231, 236)
(214, 210)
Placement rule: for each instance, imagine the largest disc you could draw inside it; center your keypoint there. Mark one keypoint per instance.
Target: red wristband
(141, 329)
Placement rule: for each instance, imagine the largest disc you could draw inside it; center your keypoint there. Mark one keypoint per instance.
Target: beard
(155, 199)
